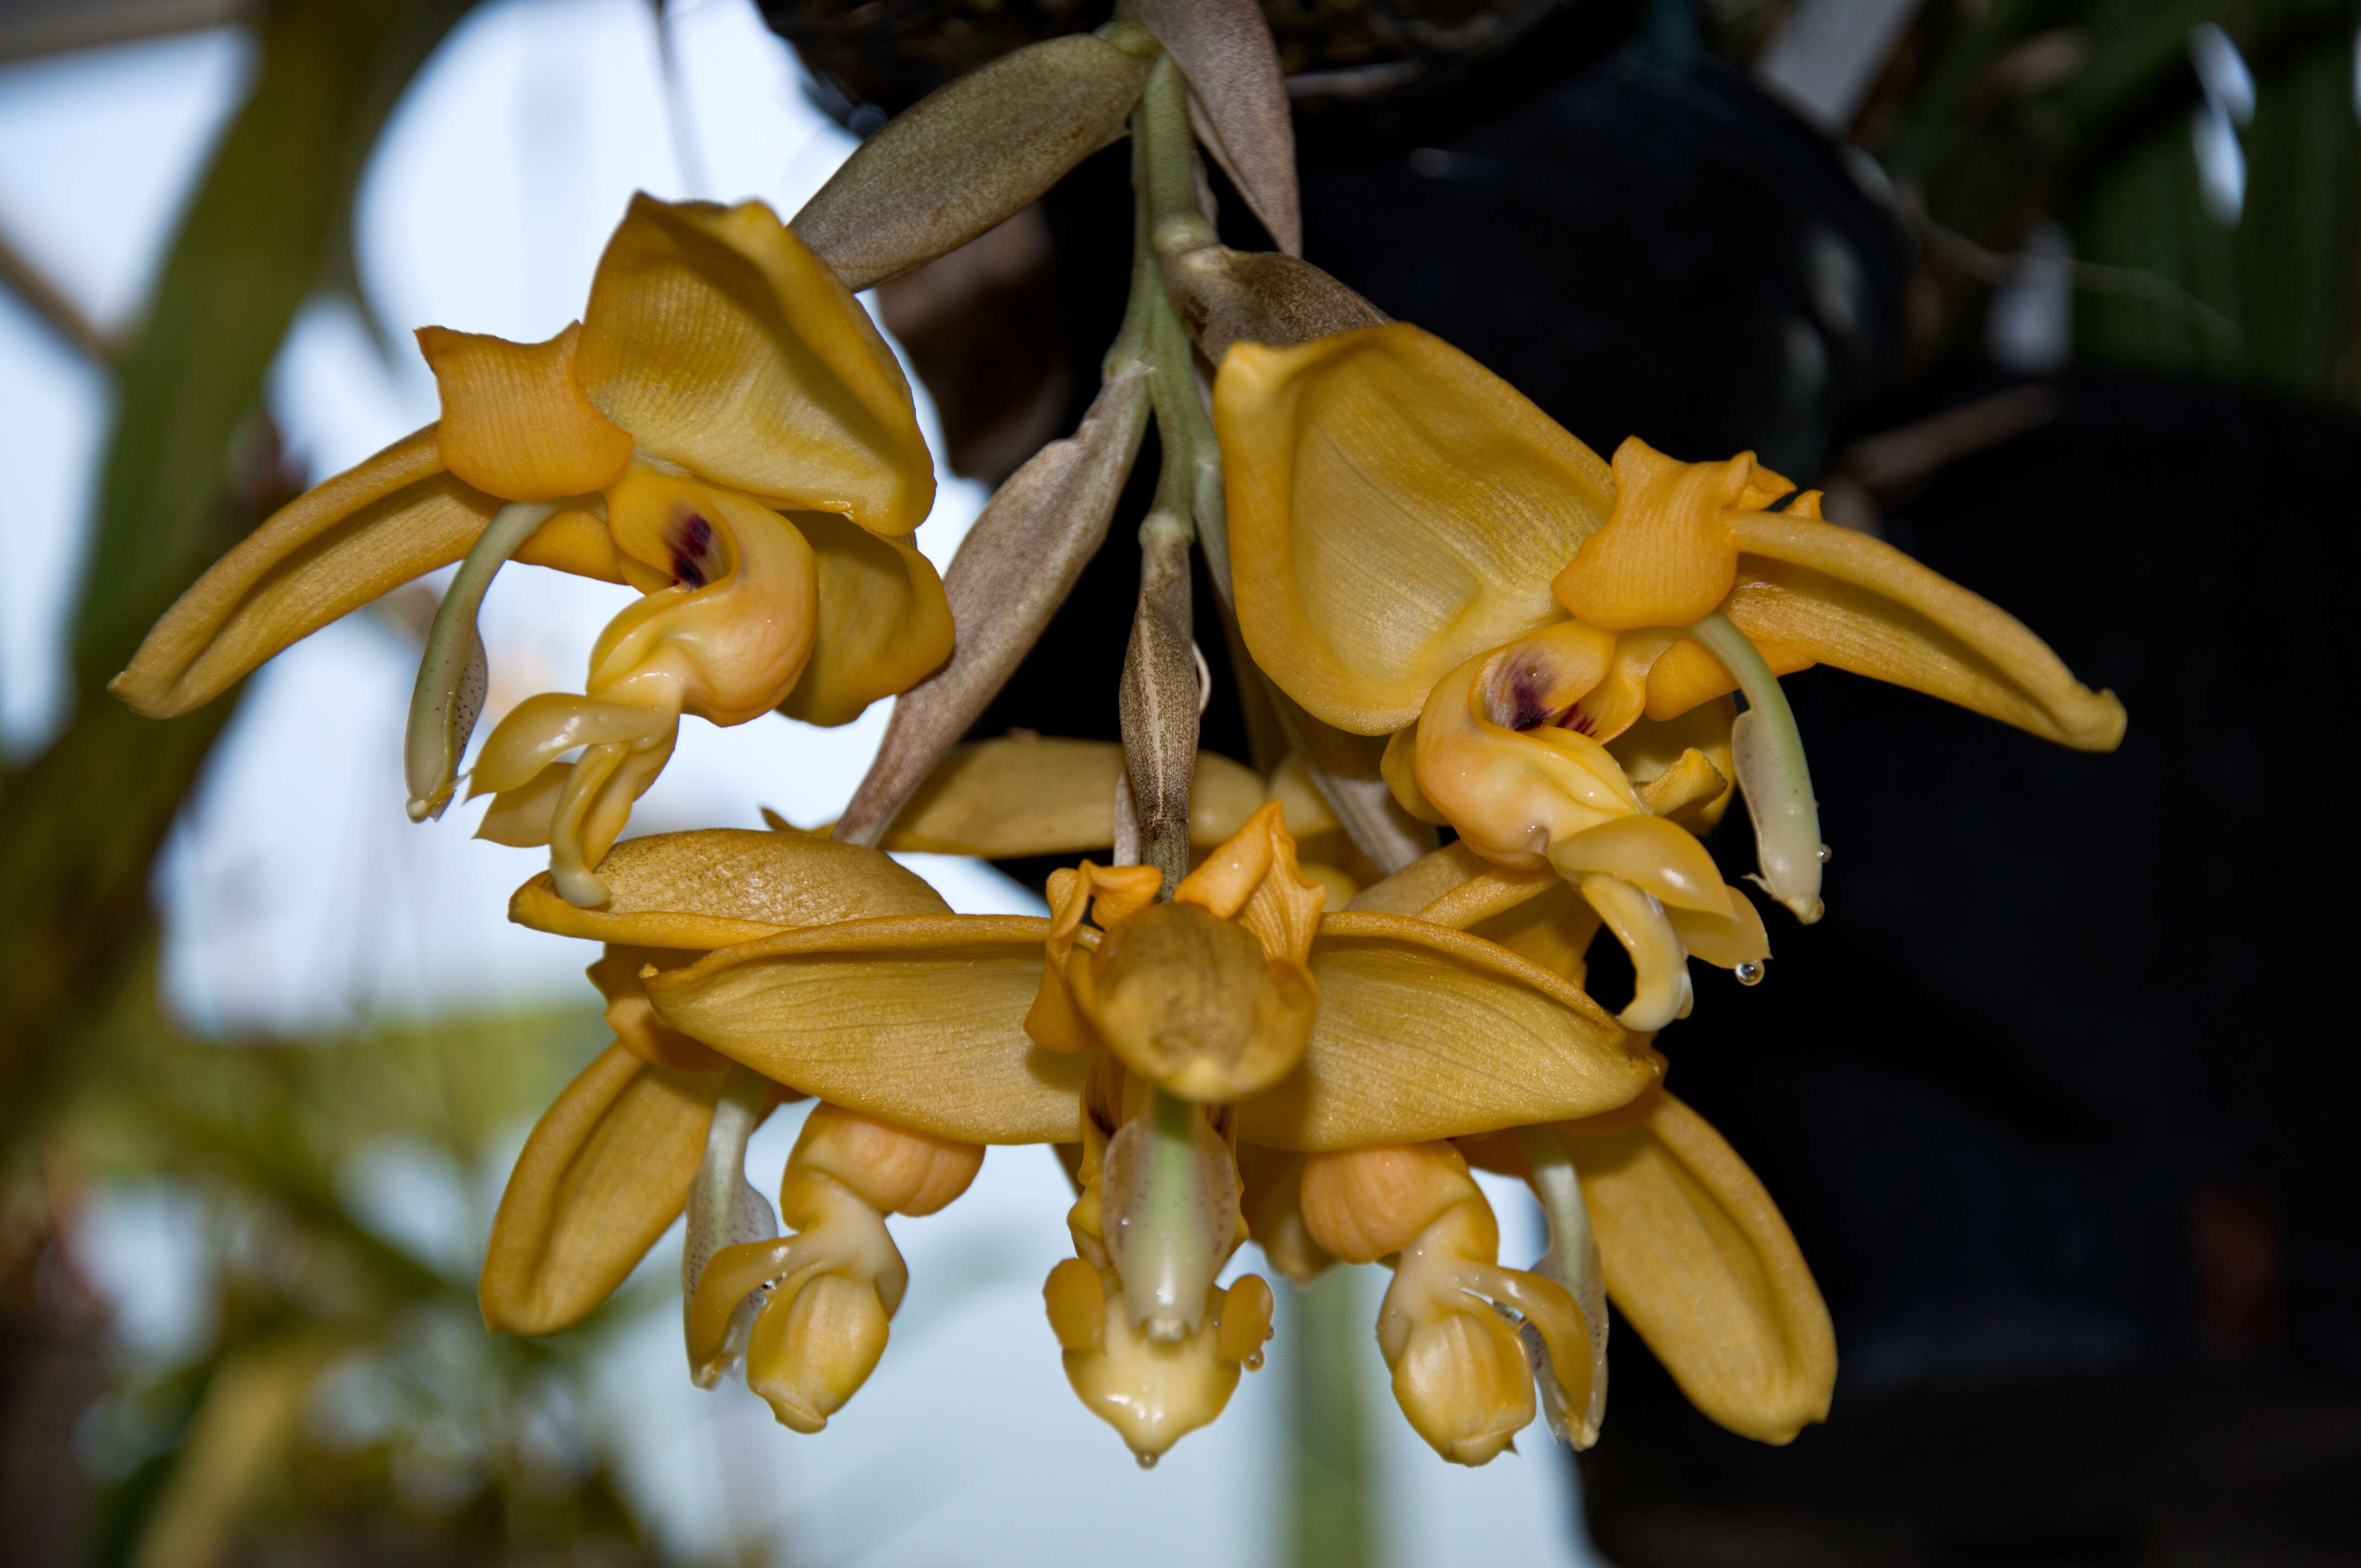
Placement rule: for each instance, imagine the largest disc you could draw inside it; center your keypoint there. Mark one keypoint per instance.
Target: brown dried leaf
(1014, 568)
(1159, 701)
(965, 158)
(1237, 101)
(1260, 296)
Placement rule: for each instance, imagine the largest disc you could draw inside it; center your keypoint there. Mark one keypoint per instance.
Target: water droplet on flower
(1748, 973)
(1826, 854)
(1146, 1461)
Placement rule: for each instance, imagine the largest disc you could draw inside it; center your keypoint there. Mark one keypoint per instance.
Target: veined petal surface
(514, 423)
(1395, 508)
(1037, 794)
(914, 1020)
(717, 886)
(1845, 599)
(605, 1172)
(723, 345)
(1425, 1033)
(321, 555)
(1699, 1260)
(1665, 557)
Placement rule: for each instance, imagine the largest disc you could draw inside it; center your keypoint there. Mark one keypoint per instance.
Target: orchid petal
(1646, 852)
(515, 424)
(721, 885)
(604, 1174)
(346, 540)
(1700, 1262)
(1422, 1032)
(1428, 1033)
(723, 345)
(325, 553)
(1554, 930)
(1666, 557)
(1846, 600)
(883, 624)
(1394, 510)
(1727, 940)
(1660, 990)
(916, 1020)
(1030, 795)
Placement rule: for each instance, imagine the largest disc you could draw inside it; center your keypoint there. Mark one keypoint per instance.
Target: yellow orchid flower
(659, 1122)
(1461, 1370)
(1695, 1256)
(1417, 550)
(1304, 1032)
(611, 1165)
(724, 430)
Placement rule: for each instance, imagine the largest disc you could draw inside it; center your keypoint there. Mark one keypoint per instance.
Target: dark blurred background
(2062, 296)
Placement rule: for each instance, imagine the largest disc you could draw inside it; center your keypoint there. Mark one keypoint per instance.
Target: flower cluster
(1277, 1011)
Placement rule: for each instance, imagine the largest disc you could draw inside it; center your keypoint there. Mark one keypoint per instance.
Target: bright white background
(298, 897)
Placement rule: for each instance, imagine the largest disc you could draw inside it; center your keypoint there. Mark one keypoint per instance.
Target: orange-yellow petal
(883, 624)
(732, 635)
(514, 423)
(1395, 508)
(603, 1174)
(1700, 1261)
(1685, 676)
(723, 345)
(324, 555)
(1665, 557)
(1857, 603)
(916, 1020)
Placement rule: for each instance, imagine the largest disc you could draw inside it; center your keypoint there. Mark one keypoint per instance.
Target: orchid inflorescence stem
(1160, 680)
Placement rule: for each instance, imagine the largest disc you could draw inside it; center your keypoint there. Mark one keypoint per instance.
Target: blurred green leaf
(191, 468)
(2283, 275)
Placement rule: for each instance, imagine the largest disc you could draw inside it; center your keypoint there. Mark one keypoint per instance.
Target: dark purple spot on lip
(692, 543)
(1574, 719)
(1526, 708)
